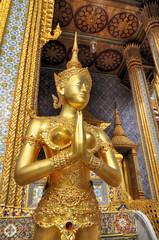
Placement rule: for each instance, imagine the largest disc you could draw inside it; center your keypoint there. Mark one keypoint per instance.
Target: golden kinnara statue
(68, 209)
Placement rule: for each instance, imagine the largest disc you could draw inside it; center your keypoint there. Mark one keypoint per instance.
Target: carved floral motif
(108, 60)
(90, 19)
(123, 25)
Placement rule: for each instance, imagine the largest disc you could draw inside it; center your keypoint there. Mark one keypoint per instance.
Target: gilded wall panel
(9, 62)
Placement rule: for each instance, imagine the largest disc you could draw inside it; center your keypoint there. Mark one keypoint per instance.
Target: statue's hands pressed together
(104, 166)
(79, 143)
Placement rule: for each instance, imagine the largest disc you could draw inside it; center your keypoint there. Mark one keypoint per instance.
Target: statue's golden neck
(68, 111)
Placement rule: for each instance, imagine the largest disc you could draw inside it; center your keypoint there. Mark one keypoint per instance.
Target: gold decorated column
(150, 18)
(14, 198)
(141, 194)
(156, 91)
(145, 116)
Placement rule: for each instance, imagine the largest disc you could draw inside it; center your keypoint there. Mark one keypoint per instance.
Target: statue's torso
(69, 196)
(56, 136)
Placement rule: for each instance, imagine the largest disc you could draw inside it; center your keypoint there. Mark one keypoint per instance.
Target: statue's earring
(58, 101)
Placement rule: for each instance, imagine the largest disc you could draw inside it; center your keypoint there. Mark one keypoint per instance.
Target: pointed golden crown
(74, 67)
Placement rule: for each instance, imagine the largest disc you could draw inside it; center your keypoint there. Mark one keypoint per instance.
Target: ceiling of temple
(104, 28)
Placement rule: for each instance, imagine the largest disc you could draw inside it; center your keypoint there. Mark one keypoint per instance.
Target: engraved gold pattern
(95, 164)
(59, 206)
(46, 23)
(59, 160)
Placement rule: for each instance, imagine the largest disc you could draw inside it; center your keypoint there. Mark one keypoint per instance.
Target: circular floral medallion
(123, 222)
(108, 60)
(86, 57)
(90, 19)
(63, 13)
(53, 53)
(123, 25)
(10, 230)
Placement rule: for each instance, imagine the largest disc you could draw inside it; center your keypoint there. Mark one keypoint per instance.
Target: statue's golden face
(77, 91)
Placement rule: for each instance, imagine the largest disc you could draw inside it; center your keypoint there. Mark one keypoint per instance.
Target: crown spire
(74, 62)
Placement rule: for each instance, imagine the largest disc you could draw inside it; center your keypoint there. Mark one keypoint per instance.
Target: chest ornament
(59, 134)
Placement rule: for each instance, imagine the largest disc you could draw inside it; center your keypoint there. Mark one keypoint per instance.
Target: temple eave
(122, 141)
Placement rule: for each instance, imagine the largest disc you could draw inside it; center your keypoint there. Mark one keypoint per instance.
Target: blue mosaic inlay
(9, 61)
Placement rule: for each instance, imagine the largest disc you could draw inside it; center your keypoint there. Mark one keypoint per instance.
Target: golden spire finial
(74, 62)
(119, 138)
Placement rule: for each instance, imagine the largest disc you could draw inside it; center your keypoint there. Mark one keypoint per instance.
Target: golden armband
(32, 141)
(60, 160)
(95, 163)
(107, 145)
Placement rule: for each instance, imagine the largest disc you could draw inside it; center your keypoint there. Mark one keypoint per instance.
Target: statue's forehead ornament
(74, 67)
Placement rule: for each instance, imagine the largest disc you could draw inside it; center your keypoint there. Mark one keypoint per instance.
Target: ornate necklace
(68, 126)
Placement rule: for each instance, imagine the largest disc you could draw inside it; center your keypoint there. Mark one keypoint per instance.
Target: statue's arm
(27, 169)
(106, 167)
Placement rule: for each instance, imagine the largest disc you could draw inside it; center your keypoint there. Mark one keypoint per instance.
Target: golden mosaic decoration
(68, 209)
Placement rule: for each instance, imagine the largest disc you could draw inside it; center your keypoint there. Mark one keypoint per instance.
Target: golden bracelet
(95, 163)
(60, 160)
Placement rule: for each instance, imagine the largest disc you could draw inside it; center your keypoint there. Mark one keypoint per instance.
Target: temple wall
(9, 61)
(106, 91)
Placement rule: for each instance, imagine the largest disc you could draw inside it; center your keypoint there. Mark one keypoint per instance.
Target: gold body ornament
(68, 209)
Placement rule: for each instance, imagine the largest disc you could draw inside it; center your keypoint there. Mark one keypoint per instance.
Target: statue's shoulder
(100, 131)
(105, 141)
(33, 115)
(103, 136)
(38, 124)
